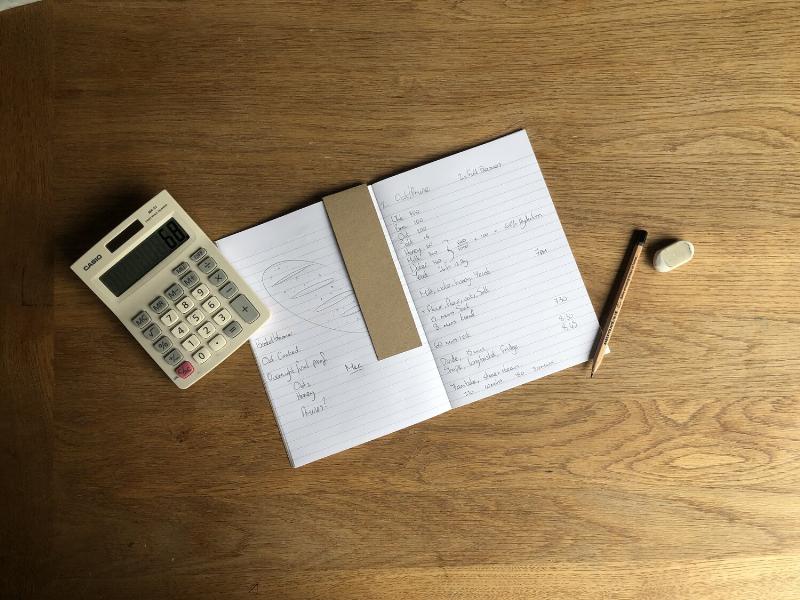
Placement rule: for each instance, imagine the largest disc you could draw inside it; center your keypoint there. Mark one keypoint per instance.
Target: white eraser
(673, 256)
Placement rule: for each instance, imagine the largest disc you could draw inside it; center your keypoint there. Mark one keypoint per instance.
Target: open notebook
(487, 270)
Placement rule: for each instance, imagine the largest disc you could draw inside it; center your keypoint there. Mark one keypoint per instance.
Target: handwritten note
(489, 268)
(328, 390)
(486, 268)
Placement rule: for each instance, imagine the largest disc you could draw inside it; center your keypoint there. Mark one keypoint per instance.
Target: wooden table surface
(675, 474)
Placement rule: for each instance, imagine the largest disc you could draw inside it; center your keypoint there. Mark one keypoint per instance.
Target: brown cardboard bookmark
(372, 272)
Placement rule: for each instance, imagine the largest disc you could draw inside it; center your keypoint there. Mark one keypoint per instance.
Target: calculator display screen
(138, 262)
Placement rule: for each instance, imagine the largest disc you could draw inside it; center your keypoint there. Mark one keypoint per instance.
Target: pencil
(623, 282)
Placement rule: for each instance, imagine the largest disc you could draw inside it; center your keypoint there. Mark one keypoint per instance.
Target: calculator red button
(184, 369)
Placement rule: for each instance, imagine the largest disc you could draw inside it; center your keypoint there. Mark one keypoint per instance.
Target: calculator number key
(185, 304)
(184, 370)
(218, 343)
(244, 308)
(190, 343)
(201, 292)
(141, 319)
(190, 279)
(180, 330)
(211, 304)
(169, 318)
(207, 265)
(218, 277)
(222, 317)
(173, 357)
(196, 318)
(158, 305)
(151, 332)
(174, 292)
(163, 344)
(206, 330)
(232, 329)
(202, 355)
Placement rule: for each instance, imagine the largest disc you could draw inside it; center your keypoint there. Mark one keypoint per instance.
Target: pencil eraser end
(673, 256)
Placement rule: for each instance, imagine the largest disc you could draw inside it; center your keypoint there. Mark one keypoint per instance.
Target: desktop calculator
(170, 286)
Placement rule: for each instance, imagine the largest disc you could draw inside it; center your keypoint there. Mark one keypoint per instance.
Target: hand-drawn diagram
(317, 293)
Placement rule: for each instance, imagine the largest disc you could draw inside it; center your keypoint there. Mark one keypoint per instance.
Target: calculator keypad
(244, 308)
(191, 315)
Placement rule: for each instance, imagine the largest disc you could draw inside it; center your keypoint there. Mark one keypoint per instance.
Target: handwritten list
(489, 268)
(328, 390)
(488, 274)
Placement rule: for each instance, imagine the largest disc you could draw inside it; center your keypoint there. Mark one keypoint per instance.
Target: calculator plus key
(244, 308)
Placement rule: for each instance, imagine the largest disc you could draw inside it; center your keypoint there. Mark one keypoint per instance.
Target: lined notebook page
(489, 268)
(327, 389)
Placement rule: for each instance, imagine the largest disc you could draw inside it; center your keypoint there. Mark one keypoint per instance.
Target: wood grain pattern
(674, 474)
